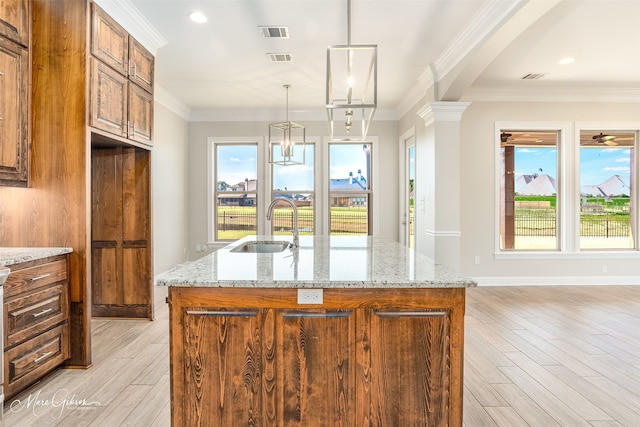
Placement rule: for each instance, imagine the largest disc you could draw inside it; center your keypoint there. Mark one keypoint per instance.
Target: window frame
(371, 199)
(212, 191)
(568, 191)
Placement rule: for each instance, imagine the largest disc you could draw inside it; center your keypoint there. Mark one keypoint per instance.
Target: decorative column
(437, 189)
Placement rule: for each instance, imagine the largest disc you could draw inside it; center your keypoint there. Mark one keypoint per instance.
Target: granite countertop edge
(10, 256)
(293, 284)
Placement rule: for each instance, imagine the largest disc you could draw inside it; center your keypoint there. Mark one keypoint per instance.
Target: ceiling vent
(533, 76)
(280, 57)
(274, 32)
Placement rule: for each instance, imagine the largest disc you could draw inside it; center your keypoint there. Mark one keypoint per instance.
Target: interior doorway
(407, 189)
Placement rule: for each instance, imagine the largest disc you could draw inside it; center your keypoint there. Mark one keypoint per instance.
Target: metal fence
(342, 222)
(542, 223)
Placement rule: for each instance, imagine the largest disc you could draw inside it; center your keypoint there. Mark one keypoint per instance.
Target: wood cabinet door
(222, 368)
(410, 367)
(14, 114)
(108, 99)
(141, 65)
(315, 368)
(14, 21)
(120, 232)
(140, 122)
(109, 41)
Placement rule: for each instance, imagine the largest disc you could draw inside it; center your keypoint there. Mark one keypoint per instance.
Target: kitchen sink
(262, 247)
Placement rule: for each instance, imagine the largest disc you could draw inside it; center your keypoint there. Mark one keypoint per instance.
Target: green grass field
(235, 222)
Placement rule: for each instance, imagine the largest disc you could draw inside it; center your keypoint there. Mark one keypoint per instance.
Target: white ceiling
(470, 49)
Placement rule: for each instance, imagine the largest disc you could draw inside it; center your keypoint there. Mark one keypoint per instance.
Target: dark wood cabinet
(36, 326)
(121, 81)
(254, 356)
(14, 113)
(121, 233)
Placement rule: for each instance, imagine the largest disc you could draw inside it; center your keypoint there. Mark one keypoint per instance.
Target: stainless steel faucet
(296, 238)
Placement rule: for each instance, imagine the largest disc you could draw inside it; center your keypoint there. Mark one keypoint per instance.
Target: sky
(596, 164)
(239, 162)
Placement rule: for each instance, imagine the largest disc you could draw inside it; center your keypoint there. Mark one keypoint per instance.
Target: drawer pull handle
(42, 276)
(45, 311)
(44, 356)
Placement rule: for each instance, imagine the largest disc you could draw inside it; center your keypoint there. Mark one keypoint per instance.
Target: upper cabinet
(14, 21)
(121, 81)
(14, 93)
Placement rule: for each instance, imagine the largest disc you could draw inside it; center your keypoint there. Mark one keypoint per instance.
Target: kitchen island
(342, 331)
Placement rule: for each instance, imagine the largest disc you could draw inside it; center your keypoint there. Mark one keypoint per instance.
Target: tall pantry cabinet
(121, 120)
(65, 139)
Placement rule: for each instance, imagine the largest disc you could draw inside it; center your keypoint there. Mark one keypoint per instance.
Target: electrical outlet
(310, 296)
(198, 248)
(476, 260)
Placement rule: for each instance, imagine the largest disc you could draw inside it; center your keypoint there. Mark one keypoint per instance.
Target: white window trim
(569, 217)
(375, 176)
(260, 209)
(309, 141)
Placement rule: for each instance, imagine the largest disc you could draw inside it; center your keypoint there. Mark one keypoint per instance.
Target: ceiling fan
(605, 139)
(504, 137)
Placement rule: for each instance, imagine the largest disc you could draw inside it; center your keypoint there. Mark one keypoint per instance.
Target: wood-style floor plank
(534, 356)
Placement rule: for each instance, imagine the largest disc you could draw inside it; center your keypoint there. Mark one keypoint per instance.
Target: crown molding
(552, 94)
(442, 111)
(127, 15)
(492, 16)
(273, 115)
(163, 97)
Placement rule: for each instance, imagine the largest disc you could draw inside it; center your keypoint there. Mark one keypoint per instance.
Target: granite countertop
(10, 256)
(319, 262)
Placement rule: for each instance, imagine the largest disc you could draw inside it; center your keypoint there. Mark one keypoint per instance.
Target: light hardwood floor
(534, 356)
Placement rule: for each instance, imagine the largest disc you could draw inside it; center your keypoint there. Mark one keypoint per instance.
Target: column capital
(442, 111)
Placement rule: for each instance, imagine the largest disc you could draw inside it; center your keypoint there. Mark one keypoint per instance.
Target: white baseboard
(554, 280)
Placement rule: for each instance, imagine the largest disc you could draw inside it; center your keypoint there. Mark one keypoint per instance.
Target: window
(528, 190)
(236, 190)
(350, 188)
(567, 191)
(294, 182)
(607, 192)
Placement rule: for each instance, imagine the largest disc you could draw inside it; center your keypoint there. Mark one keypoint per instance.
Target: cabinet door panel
(317, 368)
(140, 115)
(222, 368)
(109, 41)
(410, 368)
(14, 20)
(14, 114)
(108, 99)
(141, 65)
(121, 234)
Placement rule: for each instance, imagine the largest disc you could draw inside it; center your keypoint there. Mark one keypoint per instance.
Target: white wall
(169, 189)
(386, 188)
(478, 199)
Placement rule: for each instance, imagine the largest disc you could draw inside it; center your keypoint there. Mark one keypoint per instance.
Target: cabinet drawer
(27, 362)
(27, 315)
(35, 276)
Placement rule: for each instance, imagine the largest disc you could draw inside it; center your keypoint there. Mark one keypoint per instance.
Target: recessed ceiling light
(567, 60)
(198, 17)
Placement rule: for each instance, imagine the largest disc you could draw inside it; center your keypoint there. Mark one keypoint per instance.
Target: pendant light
(284, 137)
(352, 92)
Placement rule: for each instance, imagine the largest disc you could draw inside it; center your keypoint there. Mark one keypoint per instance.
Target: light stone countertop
(11, 256)
(320, 262)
